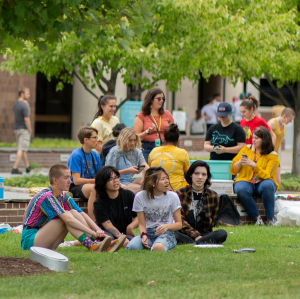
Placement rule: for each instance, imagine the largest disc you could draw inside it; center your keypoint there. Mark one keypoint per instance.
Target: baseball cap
(224, 109)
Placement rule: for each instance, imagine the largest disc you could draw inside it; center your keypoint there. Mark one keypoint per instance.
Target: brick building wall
(13, 212)
(9, 87)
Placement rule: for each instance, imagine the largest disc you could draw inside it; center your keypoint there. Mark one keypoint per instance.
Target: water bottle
(1, 188)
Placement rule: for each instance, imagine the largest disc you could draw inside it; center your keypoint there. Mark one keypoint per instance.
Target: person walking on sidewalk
(22, 129)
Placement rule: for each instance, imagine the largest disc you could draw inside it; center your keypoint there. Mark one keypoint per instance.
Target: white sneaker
(66, 244)
(271, 222)
(259, 221)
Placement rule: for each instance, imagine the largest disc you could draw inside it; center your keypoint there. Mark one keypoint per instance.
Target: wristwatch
(148, 132)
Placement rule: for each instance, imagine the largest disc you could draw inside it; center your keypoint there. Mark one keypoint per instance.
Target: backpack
(228, 214)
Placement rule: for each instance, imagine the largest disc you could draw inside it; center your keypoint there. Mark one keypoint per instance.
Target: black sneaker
(28, 169)
(16, 171)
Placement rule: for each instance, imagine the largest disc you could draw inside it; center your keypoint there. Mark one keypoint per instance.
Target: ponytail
(251, 102)
(172, 133)
(102, 102)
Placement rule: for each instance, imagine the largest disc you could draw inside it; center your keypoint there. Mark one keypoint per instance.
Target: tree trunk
(296, 143)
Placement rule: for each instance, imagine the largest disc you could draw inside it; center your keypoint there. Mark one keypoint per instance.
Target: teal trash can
(219, 169)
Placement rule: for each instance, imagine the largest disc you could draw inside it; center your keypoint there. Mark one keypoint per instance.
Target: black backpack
(228, 213)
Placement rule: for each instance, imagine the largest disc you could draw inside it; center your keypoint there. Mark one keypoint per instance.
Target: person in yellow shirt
(104, 120)
(171, 158)
(256, 166)
(278, 127)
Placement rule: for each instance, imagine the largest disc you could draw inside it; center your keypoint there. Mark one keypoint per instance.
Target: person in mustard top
(256, 166)
(104, 120)
(278, 127)
(171, 158)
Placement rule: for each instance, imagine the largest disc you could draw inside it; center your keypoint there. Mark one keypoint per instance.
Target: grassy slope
(209, 273)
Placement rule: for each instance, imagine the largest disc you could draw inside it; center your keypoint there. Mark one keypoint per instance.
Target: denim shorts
(167, 239)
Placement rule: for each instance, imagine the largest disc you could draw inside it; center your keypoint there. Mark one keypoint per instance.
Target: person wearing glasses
(113, 206)
(256, 165)
(84, 164)
(151, 123)
(127, 157)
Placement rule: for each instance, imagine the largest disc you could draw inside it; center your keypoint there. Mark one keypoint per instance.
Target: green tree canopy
(39, 21)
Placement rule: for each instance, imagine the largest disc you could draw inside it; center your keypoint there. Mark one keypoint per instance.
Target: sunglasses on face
(160, 99)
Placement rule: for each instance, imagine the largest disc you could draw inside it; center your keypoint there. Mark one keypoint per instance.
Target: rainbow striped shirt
(44, 207)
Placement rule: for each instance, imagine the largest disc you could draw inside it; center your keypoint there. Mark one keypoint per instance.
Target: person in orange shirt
(151, 123)
(256, 166)
(278, 127)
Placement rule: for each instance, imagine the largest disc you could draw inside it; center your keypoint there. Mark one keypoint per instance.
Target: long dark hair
(172, 133)
(103, 100)
(264, 134)
(151, 94)
(102, 177)
(188, 174)
(151, 178)
(249, 103)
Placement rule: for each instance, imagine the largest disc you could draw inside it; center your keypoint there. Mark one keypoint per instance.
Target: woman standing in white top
(104, 119)
(158, 212)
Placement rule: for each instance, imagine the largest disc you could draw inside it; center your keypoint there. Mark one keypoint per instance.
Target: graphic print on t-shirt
(163, 158)
(157, 213)
(248, 132)
(220, 138)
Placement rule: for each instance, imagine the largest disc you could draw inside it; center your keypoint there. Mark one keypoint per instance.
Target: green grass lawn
(186, 272)
(47, 143)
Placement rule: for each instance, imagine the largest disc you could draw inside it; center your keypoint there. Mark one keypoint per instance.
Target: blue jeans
(167, 239)
(147, 147)
(265, 189)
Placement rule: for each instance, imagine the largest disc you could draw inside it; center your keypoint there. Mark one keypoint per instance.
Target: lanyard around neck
(87, 166)
(255, 160)
(158, 127)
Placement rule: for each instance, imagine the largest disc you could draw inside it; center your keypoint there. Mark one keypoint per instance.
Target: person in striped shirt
(52, 214)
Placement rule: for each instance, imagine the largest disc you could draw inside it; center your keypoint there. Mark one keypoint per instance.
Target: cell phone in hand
(141, 167)
(244, 155)
(216, 146)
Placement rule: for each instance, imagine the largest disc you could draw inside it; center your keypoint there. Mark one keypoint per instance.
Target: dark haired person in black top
(200, 206)
(113, 206)
(225, 139)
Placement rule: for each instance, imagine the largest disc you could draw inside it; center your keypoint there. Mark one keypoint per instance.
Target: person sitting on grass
(158, 212)
(84, 163)
(113, 206)
(200, 207)
(127, 157)
(256, 166)
(52, 214)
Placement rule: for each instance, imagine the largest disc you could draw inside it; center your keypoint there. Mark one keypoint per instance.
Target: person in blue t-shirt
(84, 164)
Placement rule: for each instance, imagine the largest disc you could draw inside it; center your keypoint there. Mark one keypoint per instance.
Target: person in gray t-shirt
(22, 129)
(209, 112)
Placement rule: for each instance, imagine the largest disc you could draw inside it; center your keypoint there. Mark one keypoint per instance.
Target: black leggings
(217, 237)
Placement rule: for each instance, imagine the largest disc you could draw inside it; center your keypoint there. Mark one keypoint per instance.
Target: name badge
(157, 142)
